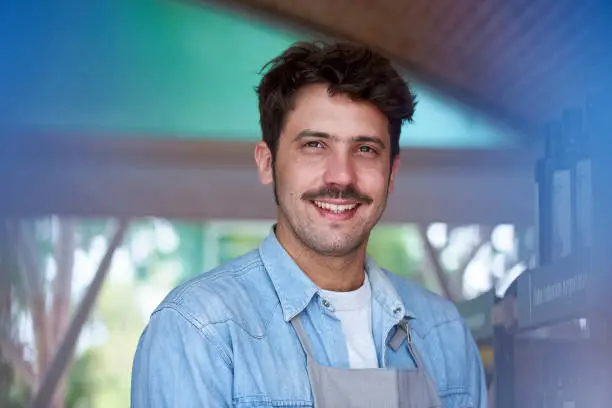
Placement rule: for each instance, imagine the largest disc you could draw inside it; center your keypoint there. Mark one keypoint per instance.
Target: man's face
(332, 171)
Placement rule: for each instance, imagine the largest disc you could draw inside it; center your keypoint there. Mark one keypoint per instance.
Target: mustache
(338, 193)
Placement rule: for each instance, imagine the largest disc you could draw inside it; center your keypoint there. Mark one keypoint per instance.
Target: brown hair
(351, 70)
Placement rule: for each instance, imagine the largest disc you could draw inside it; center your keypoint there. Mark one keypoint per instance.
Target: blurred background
(126, 168)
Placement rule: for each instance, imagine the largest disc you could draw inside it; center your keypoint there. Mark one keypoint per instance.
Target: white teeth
(336, 208)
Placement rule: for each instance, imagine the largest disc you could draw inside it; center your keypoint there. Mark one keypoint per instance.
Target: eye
(313, 144)
(367, 149)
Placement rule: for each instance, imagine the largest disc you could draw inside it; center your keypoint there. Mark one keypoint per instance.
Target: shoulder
(237, 293)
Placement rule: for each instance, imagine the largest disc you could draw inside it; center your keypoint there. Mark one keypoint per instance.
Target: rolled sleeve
(180, 364)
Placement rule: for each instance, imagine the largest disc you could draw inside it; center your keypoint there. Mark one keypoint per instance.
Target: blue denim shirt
(224, 339)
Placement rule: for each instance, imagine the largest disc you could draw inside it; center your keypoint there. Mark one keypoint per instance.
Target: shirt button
(325, 303)
(397, 310)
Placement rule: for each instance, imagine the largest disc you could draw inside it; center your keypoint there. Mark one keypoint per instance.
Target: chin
(336, 248)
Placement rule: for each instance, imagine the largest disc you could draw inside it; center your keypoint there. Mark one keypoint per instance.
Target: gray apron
(370, 387)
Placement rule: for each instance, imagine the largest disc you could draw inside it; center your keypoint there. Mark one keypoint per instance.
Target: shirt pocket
(262, 401)
(456, 399)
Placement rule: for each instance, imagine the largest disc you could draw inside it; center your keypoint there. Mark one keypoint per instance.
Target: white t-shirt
(354, 310)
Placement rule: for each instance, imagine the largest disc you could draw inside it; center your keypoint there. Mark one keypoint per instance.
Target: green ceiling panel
(166, 68)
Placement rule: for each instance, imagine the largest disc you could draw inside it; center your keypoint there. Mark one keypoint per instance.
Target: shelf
(567, 330)
(553, 293)
(477, 315)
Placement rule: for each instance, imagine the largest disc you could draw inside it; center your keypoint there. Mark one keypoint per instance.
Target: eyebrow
(324, 135)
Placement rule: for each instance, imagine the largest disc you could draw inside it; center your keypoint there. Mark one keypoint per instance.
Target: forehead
(315, 109)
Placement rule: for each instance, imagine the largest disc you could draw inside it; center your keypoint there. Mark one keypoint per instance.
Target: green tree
(37, 261)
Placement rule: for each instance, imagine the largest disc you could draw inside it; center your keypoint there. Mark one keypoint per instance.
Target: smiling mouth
(336, 211)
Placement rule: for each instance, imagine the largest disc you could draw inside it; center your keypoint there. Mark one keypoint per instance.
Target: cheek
(302, 176)
(293, 182)
(374, 183)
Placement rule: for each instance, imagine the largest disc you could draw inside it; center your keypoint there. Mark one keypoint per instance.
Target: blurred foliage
(81, 384)
(12, 393)
(392, 246)
(82, 380)
(235, 244)
(123, 323)
(389, 246)
(162, 254)
(188, 253)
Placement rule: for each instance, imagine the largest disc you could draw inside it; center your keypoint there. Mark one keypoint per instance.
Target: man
(308, 319)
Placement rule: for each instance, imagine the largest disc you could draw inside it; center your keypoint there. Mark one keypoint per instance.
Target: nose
(340, 170)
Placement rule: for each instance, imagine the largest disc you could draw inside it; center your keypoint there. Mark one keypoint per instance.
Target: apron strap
(403, 333)
(301, 333)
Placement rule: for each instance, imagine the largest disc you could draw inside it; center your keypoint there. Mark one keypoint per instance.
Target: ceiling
(522, 61)
(173, 69)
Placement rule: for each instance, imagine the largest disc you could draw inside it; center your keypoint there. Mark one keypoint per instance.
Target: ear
(394, 167)
(263, 160)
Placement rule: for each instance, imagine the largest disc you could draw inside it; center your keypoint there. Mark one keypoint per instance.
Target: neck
(335, 273)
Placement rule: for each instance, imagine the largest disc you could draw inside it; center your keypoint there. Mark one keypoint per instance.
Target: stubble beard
(311, 240)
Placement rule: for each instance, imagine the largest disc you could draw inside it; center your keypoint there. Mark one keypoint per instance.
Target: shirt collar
(385, 293)
(295, 290)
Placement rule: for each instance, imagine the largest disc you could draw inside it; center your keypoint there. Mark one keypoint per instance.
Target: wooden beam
(135, 177)
(53, 148)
